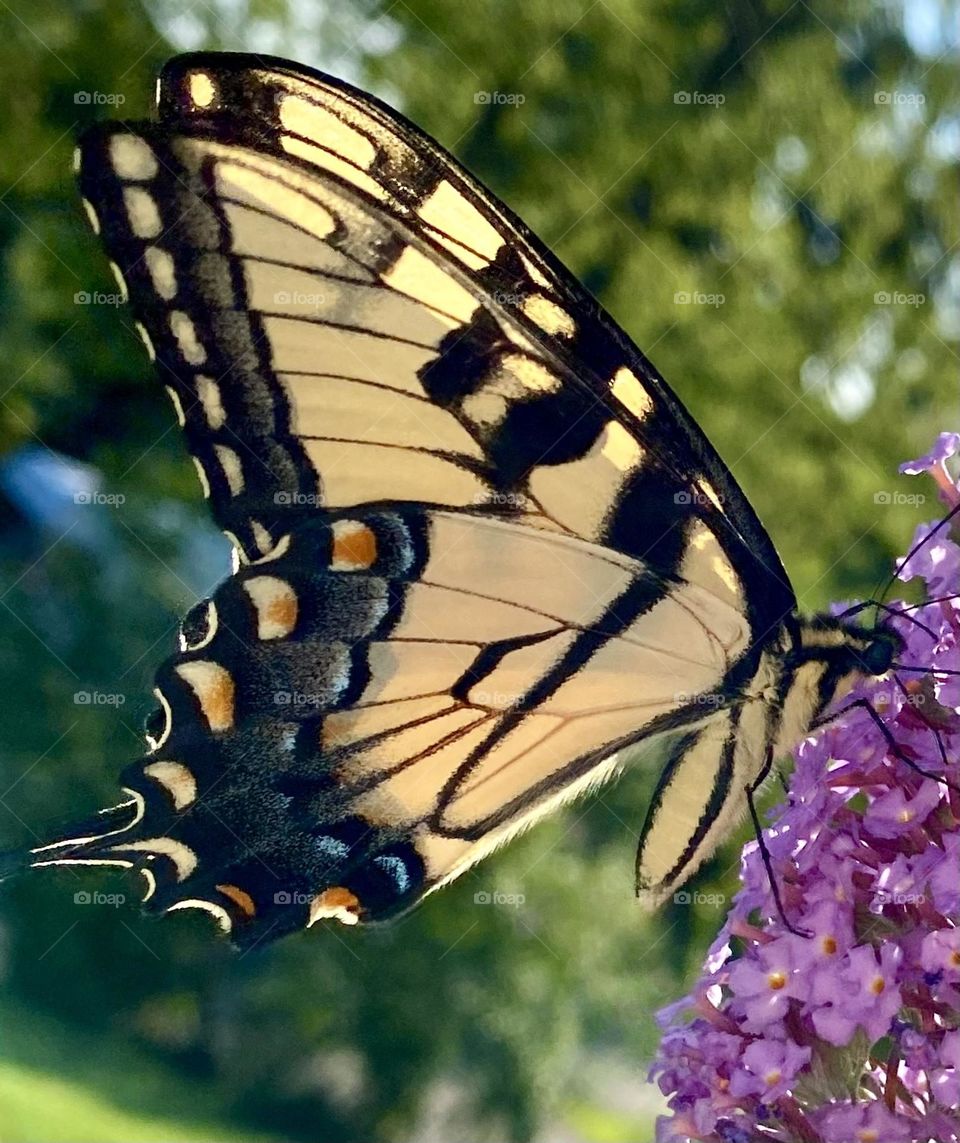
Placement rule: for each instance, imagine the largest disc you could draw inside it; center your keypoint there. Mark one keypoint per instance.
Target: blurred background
(764, 195)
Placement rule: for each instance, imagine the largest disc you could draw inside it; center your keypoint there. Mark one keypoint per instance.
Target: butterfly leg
(864, 704)
(751, 791)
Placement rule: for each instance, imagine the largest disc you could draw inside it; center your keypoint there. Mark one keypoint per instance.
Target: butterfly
(481, 548)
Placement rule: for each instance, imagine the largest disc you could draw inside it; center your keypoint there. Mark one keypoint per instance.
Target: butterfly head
(845, 649)
(829, 655)
(877, 650)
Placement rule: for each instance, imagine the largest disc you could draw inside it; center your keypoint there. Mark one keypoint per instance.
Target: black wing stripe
(637, 598)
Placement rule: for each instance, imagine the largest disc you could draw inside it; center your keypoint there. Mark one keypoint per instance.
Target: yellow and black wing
(481, 544)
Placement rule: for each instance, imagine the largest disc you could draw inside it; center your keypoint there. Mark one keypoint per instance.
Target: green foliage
(59, 1083)
(797, 199)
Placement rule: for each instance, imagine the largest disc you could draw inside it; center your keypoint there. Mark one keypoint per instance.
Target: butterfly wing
(483, 534)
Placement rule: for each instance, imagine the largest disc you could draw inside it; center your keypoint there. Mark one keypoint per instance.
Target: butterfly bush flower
(846, 1030)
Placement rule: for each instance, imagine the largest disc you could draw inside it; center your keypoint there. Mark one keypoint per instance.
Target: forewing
(352, 292)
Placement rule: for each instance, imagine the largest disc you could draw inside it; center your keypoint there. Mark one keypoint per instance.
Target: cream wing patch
(275, 603)
(256, 235)
(356, 474)
(132, 157)
(162, 271)
(176, 779)
(203, 91)
(567, 580)
(536, 754)
(419, 277)
(214, 689)
(350, 410)
(451, 213)
(142, 212)
(581, 494)
(682, 809)
(631, 393)
(414, 669)
(314, 122)
(350, 353)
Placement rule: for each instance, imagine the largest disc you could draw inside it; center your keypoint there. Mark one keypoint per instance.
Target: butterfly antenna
(890, 610)
(928, 602)
(899, 565)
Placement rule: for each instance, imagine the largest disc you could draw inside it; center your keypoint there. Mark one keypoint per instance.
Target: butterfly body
(482, 549)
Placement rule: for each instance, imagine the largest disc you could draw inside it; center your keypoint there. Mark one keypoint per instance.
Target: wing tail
(83, 842)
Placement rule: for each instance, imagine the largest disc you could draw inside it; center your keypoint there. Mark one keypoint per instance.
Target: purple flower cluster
(848, 1029)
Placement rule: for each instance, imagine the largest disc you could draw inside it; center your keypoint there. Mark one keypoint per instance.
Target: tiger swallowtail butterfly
(481, 547)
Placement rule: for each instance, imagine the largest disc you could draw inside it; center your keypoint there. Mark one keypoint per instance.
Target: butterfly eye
(880, 653)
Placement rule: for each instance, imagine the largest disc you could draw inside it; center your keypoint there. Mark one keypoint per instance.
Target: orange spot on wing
(218, 703)
(214, 687)
(354, 546)
(240, 897)
(283, 611)
(337, 902)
